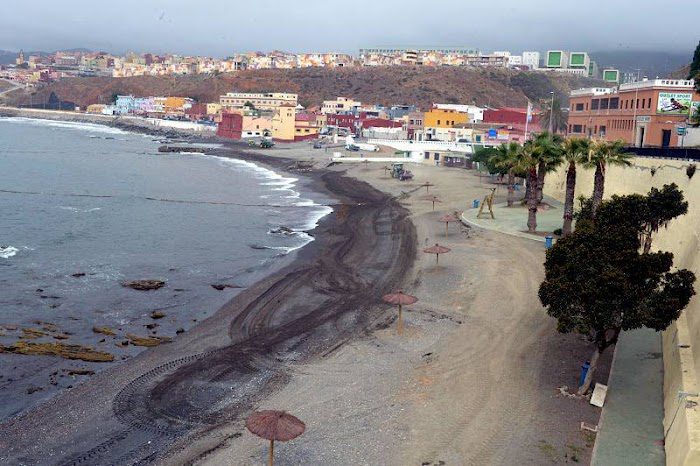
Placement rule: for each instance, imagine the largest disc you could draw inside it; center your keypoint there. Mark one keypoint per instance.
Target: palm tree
(527, 163)
(555, 114)
(602, 155)
(548, 152)
(575, 151)
(506, 159)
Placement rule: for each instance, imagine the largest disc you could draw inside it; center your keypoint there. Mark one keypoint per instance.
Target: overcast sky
(223, 27)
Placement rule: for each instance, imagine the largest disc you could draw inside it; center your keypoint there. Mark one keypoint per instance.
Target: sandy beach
(474, 379)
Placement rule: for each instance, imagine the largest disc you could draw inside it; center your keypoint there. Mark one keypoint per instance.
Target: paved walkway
(513, 220)
(630, 429)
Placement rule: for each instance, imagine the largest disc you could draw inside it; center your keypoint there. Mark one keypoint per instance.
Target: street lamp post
(551, 113)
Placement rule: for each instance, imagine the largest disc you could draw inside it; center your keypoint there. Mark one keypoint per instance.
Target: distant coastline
(126, 123)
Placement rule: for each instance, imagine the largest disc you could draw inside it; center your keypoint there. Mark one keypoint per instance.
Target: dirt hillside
(384, 85)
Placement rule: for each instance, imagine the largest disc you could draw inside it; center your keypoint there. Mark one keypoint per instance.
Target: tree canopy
(487, 156)
(598, 282)
(695, 64)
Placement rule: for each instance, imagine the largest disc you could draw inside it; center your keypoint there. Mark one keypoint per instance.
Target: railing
(682, 153)
(685, 83)
(411, 145)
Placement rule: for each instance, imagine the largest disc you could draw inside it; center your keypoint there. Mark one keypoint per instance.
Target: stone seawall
(681, 341)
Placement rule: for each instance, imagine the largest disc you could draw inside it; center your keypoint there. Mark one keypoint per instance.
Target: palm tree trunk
(569, 201)
(511, 190)
(532, 201)
(598, 186)
(541, 172)
(528, 187)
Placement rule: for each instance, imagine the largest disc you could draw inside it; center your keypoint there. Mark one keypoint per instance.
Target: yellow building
(261, 101)
(444, 118)
(174, 104)
(283, 123)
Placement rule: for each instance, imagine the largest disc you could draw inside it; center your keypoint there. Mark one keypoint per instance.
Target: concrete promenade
(513, 220)
(630, 431)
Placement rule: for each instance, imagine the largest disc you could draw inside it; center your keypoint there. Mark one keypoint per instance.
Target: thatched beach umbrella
(447, 219)
(274, 425)
(437, 250)
(400, 299)
(427, 185)
(432, 199)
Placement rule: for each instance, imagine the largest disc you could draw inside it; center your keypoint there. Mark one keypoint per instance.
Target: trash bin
(584, 372)
(475, 204)
(548, 241)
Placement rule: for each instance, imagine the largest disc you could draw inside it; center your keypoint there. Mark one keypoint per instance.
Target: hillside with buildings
(421, 86)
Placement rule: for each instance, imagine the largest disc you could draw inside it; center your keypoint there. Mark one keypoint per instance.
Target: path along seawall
(681, 341)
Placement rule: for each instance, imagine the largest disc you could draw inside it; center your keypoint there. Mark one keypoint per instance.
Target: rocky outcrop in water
(144, 285)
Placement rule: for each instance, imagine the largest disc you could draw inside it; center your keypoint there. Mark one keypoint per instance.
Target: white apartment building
(515, 60)
(476, 114)
(340, 105)
(531, 59)
(261, 101)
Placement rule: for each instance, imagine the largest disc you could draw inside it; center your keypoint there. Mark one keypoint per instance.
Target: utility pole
(551, 113)
(634, 118)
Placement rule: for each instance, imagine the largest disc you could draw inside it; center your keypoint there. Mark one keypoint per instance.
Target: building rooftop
(592, 91)
(650, 83)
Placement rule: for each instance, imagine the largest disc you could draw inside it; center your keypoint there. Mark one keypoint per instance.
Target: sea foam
(89, 127)
(7, 251)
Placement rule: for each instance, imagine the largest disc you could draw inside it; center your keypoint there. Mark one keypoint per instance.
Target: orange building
(444, 118)
(648, 113)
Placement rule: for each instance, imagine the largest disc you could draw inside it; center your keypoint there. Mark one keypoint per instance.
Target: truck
(351, 145)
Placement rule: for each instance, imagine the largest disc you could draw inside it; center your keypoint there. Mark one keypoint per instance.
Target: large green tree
(575, 151)
(484, 156)
(599, 282)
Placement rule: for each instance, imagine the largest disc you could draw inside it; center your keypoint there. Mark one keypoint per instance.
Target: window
(649, 104)
(436, 156)
(579, 107)
(604, 104)
(603, 130)
(614, 103)
(595, 104)
(577, 129)
(637, 103)
(438, 122)
(644, 101)
(427, 155)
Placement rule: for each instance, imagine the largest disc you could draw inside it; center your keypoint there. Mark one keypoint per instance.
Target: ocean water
(85, 207)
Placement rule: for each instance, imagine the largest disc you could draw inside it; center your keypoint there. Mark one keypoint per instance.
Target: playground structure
(488, 201)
